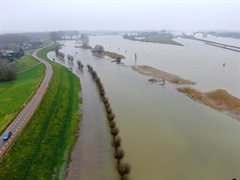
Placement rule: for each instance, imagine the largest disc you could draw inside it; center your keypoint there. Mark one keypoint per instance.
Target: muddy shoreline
(157, 74)
(219, 100)
(112, 55)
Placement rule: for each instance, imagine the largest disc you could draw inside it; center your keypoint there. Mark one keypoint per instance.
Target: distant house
(11, 53)
(26, 46)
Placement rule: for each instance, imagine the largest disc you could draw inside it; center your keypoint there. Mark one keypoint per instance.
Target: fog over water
(49, 15)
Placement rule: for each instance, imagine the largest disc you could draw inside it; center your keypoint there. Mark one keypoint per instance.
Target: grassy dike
(44, 145)
(14, 94)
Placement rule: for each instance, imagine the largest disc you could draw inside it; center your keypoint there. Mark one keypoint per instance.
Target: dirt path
(158, 74)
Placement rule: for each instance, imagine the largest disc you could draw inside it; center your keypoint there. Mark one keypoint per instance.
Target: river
(165, 134)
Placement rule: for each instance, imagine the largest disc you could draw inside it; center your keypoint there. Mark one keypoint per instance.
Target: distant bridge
(221, 45)
(204, 34)
(211, 43)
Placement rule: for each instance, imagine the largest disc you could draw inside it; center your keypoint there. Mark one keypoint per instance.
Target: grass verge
(39, 151)
(26, 63)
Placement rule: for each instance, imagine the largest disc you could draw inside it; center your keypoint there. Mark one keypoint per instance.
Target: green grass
(160, 39)
(26, 63)
(31, 50)
(43, 52)
(40, 151)
(14, 94)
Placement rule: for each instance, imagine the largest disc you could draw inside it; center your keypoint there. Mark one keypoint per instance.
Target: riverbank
(157, 75)
(219, 99)
(112, 55)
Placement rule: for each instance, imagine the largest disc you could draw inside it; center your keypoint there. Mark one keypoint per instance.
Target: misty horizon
(81, 15)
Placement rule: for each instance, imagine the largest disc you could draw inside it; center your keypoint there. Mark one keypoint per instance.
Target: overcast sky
(48, 15)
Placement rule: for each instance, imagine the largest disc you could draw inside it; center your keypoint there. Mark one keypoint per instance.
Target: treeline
(20, 38)
(122, 168)
(7, 39)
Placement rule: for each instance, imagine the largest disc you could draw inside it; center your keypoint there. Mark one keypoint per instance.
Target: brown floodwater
(92, 156)
(165, 134)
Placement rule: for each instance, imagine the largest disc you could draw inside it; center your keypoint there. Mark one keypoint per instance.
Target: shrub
(7, 71)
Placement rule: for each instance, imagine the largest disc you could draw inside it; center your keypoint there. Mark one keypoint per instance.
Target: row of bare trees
(122, 168)
(80, 65)
(70, 59)
(59, 55)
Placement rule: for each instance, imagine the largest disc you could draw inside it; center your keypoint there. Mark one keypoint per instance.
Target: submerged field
(43, 147)
(165, 134)
(14, 94)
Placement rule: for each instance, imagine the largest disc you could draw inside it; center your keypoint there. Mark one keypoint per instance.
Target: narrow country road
(25, 115)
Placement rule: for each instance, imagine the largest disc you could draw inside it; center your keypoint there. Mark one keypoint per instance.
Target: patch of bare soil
(113, 55)
(161, 75)
(84, 47)
(109, 54)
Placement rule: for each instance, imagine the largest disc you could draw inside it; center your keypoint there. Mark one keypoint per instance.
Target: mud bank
(113, 55)
(109, 54)
(159, 75)
(84, 47)
(219, 99)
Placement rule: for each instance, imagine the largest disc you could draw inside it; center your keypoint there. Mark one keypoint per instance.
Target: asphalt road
(25, 115)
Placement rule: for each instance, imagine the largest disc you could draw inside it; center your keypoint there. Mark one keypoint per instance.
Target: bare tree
(123, 169)
(57, 51)
(54, 36)
(85, 40)
(98, 49)
(119, 154)
(114, 132)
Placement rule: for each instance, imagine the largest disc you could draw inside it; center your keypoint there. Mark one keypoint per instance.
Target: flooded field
(165, 134)
(195, 60)
(93, 146)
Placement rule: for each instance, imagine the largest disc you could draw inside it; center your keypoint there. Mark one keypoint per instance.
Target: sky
(117, 15)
